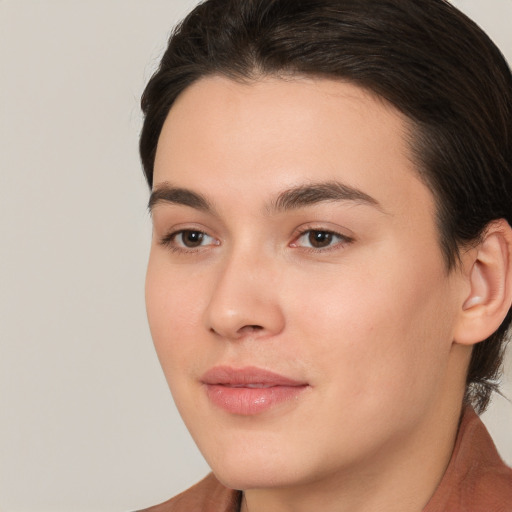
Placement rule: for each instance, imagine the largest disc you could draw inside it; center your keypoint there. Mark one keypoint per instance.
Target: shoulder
(476, 480)
(209, 495)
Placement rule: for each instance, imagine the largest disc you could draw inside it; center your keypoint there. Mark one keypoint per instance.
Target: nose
(244, 300)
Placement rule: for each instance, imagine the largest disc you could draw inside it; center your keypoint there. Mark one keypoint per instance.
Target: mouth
(249, 390)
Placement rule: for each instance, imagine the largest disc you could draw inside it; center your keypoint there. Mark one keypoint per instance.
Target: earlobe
(490, 284)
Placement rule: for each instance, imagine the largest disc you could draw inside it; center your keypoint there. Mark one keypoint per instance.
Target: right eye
(187, 239)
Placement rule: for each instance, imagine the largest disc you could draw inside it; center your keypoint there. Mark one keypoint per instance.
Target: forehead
(284, 132)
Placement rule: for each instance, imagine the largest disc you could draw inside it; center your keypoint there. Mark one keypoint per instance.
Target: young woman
(330, 278)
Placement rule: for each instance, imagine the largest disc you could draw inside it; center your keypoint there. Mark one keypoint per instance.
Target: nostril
(252, 328)
(249, 329)
(244, 329)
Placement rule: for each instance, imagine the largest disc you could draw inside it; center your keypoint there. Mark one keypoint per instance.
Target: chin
(254, 478)
(256, 467)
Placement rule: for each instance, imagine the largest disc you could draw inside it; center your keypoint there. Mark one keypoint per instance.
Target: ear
(489, 272)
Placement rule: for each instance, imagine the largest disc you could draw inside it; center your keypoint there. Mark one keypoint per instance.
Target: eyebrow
(291, 199)
(166, 193)
(314, 193)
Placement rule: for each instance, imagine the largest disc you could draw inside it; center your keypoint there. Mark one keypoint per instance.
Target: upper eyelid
(330, 231)
(170, 228)
(172, 234)
(313, 226)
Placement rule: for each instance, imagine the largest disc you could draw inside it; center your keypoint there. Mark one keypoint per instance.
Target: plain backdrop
(86, 420)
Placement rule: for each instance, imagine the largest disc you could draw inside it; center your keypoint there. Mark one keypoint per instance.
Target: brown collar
(476, 479)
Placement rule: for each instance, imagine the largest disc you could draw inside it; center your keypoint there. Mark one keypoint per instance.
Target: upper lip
(248, 375)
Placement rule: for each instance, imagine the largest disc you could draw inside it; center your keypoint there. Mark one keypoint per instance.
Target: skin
(368, 320)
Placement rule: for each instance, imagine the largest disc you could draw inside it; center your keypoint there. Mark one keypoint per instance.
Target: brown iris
(192, 238)
(320, 239)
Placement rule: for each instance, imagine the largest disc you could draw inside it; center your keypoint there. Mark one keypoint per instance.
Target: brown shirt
(476, 480)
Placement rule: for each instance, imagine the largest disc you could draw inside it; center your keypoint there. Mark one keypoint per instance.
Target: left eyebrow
(166, 193)
(310, 194)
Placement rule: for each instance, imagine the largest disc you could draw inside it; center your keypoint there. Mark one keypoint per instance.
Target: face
(296, 290)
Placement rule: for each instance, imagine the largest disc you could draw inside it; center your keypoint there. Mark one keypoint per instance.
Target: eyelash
(169, 239)
(343, 240)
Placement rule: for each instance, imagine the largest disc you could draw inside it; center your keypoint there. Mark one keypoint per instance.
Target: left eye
(190, 239)
(319, 239)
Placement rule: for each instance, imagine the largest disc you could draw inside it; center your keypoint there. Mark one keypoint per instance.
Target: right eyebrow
(166, 193)
(313, 193)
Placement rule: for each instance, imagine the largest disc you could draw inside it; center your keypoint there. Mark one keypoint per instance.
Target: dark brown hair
(426, 58)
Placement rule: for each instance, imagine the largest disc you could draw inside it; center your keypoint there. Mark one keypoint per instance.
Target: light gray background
(86, 420)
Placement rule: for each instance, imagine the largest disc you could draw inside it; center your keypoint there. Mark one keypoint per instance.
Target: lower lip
(249, 401)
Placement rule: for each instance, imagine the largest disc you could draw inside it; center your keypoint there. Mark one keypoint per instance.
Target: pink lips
(249, 390)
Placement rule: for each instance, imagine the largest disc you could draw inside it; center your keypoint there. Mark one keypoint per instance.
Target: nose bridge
(244, 298)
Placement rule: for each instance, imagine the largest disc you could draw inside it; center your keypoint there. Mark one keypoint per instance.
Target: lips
(249, 390)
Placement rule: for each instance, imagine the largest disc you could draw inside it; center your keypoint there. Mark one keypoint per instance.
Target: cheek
(173, 304)
(377, 334)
